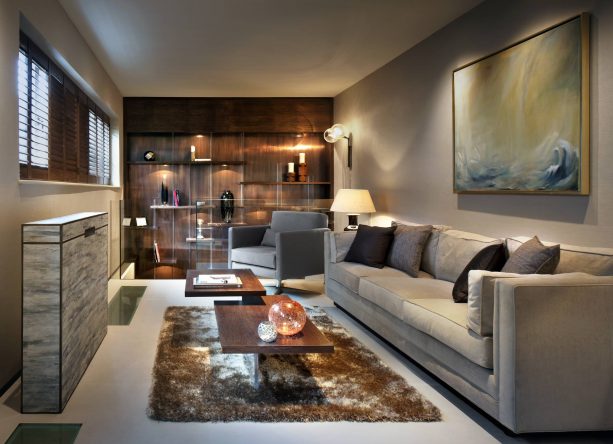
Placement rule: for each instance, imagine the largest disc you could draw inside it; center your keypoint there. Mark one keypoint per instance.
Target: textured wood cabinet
(64, 293)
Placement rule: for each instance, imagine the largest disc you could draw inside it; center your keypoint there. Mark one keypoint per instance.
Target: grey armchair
(298, 249)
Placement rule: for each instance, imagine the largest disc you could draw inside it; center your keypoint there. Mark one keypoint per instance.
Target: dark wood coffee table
(250, 292)
(238, 333)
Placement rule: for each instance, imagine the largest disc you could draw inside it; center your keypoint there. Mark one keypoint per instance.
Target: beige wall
(401, 120)
(25, 202)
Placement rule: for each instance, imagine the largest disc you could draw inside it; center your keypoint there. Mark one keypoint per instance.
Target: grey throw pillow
(533, 257)
(407, 247)
(269, 238)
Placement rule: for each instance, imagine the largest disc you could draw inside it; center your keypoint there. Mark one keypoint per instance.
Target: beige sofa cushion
(348, 274)
(426, 305)
(455, 250)
(596, 261)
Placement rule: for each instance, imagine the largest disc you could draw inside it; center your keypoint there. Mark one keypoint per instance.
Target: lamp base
(353, 222)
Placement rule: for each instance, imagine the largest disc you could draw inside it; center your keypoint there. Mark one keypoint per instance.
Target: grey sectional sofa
(536, 353)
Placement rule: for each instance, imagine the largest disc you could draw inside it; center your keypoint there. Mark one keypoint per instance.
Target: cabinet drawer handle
(90, 231)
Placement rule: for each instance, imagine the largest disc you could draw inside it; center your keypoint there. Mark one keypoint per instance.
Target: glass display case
(182, 199)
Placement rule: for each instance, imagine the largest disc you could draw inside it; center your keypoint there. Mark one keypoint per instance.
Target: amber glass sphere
(288, 317)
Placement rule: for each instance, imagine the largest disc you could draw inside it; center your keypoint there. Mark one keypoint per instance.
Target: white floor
(111, 399)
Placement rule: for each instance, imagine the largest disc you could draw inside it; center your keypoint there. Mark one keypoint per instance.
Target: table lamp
(354, 203)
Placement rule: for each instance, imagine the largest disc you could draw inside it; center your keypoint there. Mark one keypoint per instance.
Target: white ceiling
(252, 48)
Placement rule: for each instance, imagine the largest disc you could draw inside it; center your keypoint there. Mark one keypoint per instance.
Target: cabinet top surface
(61, 220)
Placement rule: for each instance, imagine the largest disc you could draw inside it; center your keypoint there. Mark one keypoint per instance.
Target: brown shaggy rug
(194, 381)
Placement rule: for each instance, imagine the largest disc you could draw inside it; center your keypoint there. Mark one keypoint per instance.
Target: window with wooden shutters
(63, 135)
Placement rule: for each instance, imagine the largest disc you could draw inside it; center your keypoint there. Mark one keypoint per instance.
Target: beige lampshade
(353, 201)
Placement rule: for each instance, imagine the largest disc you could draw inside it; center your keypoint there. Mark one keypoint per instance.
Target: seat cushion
(261, 256)
(426, 305)
(348, 274)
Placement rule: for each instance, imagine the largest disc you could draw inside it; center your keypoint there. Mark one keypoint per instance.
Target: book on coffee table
(217, 280)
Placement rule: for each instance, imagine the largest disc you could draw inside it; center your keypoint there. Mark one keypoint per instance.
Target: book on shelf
(217, 280)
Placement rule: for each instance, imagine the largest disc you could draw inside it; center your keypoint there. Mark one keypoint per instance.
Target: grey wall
(20, 202)
(401, 120)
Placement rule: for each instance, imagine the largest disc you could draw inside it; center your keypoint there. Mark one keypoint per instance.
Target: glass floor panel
(124, 304)
(44, 434)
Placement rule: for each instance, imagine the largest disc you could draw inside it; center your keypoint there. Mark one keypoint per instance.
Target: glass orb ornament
(288, 317)
(267, 331)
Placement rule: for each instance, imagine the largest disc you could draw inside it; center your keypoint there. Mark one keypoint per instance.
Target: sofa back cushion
(297, 220)
(455, 250)
(596, 261)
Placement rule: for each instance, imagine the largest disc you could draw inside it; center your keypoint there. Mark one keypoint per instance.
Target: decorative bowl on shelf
(288, 317)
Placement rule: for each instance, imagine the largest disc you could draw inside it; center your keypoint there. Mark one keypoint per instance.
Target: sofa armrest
(300, 253)
(247, 236)
(553, 352)
(338, 244)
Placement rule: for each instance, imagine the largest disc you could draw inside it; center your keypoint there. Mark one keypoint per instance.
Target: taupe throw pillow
(533, 257)
(407, 247)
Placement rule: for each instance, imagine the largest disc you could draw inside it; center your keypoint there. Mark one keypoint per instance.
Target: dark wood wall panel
(248, 142)
(142, 114)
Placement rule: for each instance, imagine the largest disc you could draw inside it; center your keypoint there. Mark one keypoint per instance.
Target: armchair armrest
(247, 236)
(300, 253)
(553, 352)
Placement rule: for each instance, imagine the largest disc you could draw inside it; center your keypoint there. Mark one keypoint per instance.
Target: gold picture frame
(521, 116)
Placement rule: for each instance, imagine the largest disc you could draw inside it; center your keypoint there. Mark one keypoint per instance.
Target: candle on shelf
(193, 150)
(290, 167)
(301, 158)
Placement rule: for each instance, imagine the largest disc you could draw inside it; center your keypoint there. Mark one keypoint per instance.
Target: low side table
(251, 290)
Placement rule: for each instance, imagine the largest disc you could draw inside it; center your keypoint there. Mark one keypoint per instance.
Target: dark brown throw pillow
(269, 239)
(371, 245)
(533, 257)
(407, 247)
(491, 258)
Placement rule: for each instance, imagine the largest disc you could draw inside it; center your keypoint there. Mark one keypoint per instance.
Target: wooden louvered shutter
(56, 124)
(71, 132)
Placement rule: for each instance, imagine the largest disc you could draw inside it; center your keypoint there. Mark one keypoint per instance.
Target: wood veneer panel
(205, 115)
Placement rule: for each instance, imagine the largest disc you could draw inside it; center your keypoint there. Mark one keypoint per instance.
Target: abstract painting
(521, 116)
